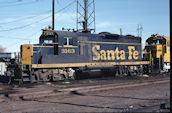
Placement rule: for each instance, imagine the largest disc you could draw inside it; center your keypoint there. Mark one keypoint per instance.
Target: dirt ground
(117, 100)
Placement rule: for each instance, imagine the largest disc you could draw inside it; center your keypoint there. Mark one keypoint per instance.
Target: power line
(29, 17)
(11, 37)
(66, 11)
(5, 37)
(11, 2)
(27, 25)
(57, 1)
(36, 22)
(18, 4)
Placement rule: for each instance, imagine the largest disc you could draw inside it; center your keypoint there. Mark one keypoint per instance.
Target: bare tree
(2, 49)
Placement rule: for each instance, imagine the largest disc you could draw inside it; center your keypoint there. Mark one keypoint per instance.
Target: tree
(2, 49)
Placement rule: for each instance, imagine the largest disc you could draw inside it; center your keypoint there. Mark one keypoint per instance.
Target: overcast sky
(21, 21)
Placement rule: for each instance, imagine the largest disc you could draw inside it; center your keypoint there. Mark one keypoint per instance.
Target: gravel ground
(49, 86)
(105, 101)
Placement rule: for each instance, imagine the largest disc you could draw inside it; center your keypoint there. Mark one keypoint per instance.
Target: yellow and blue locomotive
(157, 52)
(65, 54)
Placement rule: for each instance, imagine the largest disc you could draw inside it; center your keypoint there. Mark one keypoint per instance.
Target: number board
(67, 50)
(48, 33)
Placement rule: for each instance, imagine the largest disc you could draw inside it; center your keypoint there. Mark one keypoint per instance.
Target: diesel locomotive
(65, 54)
(157, 52)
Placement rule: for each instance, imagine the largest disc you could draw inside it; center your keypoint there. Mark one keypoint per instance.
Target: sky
(22, 21)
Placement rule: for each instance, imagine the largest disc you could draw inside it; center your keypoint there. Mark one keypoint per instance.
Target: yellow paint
(96, 54)
(51, 43)
(44, 46)
(68, 46)
(136, 55)
(26, 54)
(132, 53)
(150, 57)
(111, 55)
(167, 54)
(67, 50)
(88, 64)
(59, 46)
(117, 54)
(108, 42)
(159, 52)
(48, 32)
(103, 55)
(122, 52)
(36, 51)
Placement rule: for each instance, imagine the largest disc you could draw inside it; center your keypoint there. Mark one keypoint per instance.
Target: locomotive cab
(157, 51)
(49, 38)
(34, 53)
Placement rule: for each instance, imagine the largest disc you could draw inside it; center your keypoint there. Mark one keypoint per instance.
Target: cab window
(48, 41)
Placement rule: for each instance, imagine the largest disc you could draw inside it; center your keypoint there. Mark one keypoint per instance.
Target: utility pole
(120, 31)
(139, 30)
(53, 15)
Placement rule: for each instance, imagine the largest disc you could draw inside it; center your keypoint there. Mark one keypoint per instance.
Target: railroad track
(162, 107)
(79, 90)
